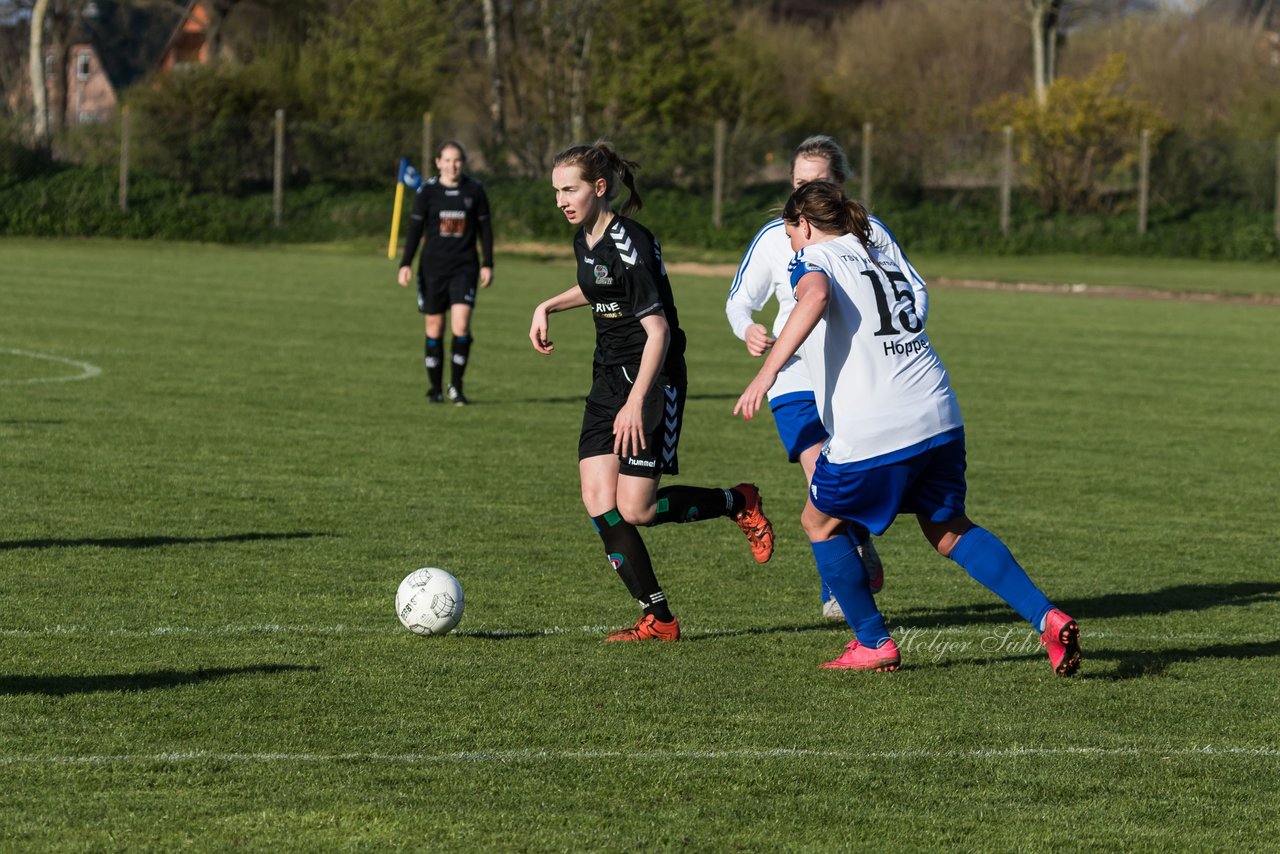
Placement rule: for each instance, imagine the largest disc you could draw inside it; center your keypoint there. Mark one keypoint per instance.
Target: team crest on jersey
(602, 275)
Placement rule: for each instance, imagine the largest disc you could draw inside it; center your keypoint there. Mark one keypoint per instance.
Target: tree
(35, 68)
(1082, 135)
(380, 59)
(1044, 44)
(497, 114)
(1052, 19)
(241, 30)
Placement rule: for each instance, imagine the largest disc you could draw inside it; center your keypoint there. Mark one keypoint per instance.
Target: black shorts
(437, 293)
(663, 417)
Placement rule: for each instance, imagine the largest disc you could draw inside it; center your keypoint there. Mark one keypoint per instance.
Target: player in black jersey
(452, 210)
(633, 414)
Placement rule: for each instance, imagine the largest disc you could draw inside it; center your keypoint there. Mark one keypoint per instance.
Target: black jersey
(451, 218)
(624, 279)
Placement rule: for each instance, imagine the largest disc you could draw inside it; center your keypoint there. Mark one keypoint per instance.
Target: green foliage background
(81, 202)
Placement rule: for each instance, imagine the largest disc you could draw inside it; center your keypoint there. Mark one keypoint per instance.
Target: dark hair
(820, 145)
(451, 143)
(825, 206)
(601, 160)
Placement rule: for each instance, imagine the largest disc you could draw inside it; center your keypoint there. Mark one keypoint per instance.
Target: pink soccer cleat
(1061, 639)
(858, 657)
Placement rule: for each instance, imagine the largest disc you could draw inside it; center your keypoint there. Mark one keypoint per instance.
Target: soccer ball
(429, 601)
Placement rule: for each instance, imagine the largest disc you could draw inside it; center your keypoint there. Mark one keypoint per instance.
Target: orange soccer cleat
(648, 627)
(754, 523)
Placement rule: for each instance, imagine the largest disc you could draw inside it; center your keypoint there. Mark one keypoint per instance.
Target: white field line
(87, 371)
(918, 635)
(555, 755)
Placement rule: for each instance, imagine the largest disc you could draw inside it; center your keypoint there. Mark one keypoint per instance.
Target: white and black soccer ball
(429, 601)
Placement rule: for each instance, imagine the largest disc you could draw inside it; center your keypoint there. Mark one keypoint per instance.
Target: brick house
(116, 48)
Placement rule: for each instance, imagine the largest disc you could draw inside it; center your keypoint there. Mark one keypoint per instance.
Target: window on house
(84, 64)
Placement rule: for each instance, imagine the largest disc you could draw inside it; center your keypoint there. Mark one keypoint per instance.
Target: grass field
(208, 503)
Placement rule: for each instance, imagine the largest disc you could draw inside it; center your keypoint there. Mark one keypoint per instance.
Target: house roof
(130, 41)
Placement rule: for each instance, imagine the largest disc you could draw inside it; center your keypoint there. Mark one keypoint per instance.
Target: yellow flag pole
(395, 220)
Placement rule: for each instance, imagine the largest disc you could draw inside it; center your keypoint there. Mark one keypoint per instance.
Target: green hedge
(64, 202)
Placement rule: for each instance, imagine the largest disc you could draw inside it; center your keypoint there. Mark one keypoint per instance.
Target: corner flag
(407, 176)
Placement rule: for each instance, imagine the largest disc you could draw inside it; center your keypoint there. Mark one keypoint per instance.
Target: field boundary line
(553, 755)
(87, 370)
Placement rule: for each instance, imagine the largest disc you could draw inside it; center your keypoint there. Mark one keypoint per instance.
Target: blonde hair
(821, 145)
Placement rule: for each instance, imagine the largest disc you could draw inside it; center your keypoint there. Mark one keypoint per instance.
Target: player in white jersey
(764, 274)
(896, 436)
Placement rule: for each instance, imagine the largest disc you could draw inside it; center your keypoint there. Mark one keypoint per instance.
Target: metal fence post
(277, 200)
(1006, 180)
(124, 159)
(1144, 180)
(866, 164)
(717, 177)
(1278, 186)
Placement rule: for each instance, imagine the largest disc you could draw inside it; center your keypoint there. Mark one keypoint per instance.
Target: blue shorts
(799, 427)
(929, 482)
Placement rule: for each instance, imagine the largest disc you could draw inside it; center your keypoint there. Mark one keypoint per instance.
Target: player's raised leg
(989, 562)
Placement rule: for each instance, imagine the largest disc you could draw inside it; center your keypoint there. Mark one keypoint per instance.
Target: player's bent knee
(817, 525)
(944, 536)
(639, 515)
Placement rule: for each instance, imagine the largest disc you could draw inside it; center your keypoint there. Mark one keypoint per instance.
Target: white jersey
(763, 273)
(879, 386)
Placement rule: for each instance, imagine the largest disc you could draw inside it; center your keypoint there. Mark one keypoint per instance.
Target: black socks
(694, 503)
(630, 559)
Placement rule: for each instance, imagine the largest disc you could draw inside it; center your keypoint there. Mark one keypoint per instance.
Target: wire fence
(247, 155)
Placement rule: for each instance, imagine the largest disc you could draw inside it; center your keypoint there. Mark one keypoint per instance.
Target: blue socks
(989, 562)
(842, 571)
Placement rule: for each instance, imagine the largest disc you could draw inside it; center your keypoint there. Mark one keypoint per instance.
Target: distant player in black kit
(633, 415)
(452, 210)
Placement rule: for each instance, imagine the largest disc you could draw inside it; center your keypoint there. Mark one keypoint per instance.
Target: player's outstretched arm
(540, 326)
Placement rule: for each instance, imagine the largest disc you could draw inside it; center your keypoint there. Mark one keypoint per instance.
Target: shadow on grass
(1183, 597)
(153, 542)
(1129, 664)
(61, 686)
(580, 398)
(1155, 663)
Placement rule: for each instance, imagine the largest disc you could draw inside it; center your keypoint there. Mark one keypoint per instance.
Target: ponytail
(601, 160)
(825, 206)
